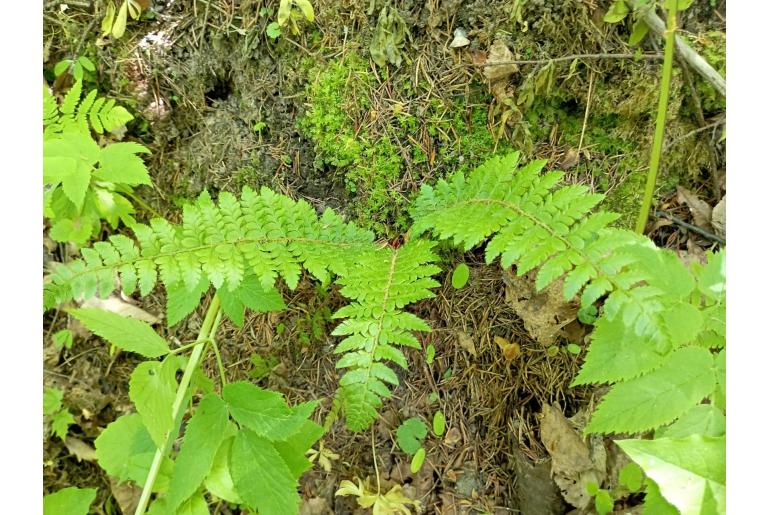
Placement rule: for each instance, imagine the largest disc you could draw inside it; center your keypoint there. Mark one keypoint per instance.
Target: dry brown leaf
(127, 495)
(510, 350)
(498, 53)
(572, 466)
(453, 437)
(315, 506)
(466, 342)
(80, 449)
(569, 159)
(699, 209)
(719, 218)
(120, 307)
(544, 313)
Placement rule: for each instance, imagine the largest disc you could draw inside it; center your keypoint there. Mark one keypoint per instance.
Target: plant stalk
(660, 122)
(208, 328)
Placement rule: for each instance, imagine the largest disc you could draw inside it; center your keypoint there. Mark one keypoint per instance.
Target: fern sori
(655, 311)
(380, 284)
(85, 183)
(238, 246)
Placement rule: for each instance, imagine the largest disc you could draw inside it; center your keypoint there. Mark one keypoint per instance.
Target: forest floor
(222, 105)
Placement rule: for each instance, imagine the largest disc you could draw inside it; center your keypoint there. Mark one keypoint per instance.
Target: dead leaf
(572, 466)
(499, 53)
(315, 506)
(453, 437)
(510, 350)
(699, 209)
(544, 313)
(120, 307)
(127, 495)
(466, 342)
(719, 218)
(80, 449)
(569, 159)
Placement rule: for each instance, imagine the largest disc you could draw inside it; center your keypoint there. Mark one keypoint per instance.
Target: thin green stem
(660, 122)
(215, 347)
(207, 330)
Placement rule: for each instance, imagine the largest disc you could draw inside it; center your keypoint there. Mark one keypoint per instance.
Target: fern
(653, 304)
(380, 284)
(232, 245)
(85, 183)
(92, 113)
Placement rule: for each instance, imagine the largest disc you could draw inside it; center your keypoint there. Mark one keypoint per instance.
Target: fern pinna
(660, 338)
(380, 284)
(241, 247)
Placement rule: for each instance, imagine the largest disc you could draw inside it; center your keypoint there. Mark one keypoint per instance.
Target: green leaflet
(293, 449)
(261, 477)
(69, 501)
(52, 398)
(703, 419)
(410, 434)
(683, 380)
(655, 503)
(265, 412)
(690, 472)
(127, 333)
(203, 437)
(460, 275)
(250, 293)
(152, 389)
(125, 450)
(195, 505)
(219, 480)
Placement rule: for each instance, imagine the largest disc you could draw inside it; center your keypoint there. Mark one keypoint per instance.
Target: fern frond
(655, 309)
(380, 284)
(99, 114)
(263, 234)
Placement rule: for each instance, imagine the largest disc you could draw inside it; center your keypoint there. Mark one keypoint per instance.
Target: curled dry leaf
(572, 464)
(510, 350)
(466, 342)
(80, 449)
(453, 437)
(460, 39)
(499, 53)
(699, 209)
(719, 218)
(120, 307)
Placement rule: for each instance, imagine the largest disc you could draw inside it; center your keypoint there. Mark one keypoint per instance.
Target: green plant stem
(208, 328)
(660, 122)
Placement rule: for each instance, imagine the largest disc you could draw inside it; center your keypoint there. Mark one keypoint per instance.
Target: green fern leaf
(380, 284)
(683, 380)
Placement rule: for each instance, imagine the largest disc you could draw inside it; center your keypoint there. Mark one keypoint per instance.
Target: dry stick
(585, 116)
(691, 227)
(692, 58)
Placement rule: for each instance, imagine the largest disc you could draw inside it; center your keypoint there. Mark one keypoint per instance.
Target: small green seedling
(439, 423)
(430, 354)
(410, 435)
(460, 276)
(78, 66)
(114, 21)
(293, 10)
(56, 412)
(63, 338)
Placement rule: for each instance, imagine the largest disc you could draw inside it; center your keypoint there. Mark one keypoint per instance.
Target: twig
(568, 58)
(691, 227)
(698, 63)
(694, 132)
(585, 116)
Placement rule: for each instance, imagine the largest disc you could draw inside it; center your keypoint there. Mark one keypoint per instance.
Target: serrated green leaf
(690, 472)
(263, 411)
(261, 478)
(69, 501)
(63, 338)
(120, 164)
(52, 398)
(631, 477)
(683, 380)
(654, 502)
(203, 437)
(60, 423)
(294, 448)
(712, 277)
(703, 419)
(195, 505)
(684, 322)
(152, 389)
(460, 276)
(410, 434)
(126, 450)
(127, 333)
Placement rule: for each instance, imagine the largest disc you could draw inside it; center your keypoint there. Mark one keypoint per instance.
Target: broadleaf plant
(85, 182)
(659, 339)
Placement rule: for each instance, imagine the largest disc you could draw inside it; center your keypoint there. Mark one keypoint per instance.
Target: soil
(221, 105)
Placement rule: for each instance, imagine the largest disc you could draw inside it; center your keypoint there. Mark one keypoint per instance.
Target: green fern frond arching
(99, 114)
(380, 284)
(262, 235)
(654, 306)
